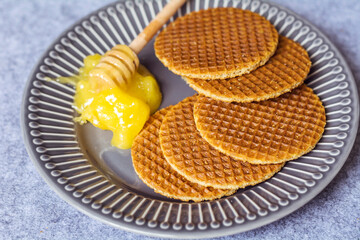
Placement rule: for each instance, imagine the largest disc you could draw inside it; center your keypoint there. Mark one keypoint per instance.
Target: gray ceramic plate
(79, 163)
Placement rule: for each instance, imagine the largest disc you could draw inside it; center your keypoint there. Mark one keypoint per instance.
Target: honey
(120, 108)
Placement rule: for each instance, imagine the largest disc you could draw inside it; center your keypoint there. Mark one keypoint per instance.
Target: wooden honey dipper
(119, 64)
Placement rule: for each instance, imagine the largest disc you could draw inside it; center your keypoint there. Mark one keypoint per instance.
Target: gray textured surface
(29, 209)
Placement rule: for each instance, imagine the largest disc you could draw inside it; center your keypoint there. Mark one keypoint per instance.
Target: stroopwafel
(190, 155)
(271, 131)
(216, 43)
(156, 172)
(286, 70)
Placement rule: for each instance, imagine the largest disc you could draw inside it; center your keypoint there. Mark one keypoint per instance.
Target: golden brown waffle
(216, 43)
(194, 158)
(271, 131)
(286, 70)
(155, 171)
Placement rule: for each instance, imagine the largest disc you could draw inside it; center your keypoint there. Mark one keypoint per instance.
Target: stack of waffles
(253, 112)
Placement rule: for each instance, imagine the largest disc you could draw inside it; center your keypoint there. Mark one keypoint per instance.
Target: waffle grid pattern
(151, 166)
(284, 71)
(216, 43)
(272, 131)
(198, 161)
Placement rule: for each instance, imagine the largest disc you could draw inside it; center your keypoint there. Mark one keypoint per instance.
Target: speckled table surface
(29, 209)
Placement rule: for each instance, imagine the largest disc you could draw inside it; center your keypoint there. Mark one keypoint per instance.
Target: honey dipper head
(116, 68)
(216, 43)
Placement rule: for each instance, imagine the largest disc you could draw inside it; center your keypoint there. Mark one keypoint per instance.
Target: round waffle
(190, 155)
(216, 43)
(155, 171)
(286, 70)
(271, 131)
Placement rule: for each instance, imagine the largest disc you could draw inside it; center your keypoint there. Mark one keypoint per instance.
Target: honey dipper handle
(160, 19)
